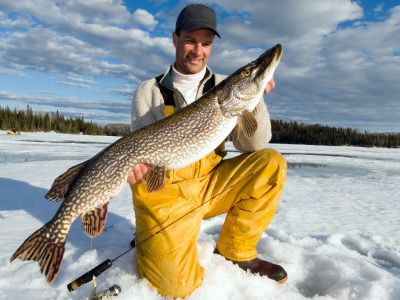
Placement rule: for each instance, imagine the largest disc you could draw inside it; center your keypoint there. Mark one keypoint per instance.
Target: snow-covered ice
(336, 231)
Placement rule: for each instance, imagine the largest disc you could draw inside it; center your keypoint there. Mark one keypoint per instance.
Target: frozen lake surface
(336, 231)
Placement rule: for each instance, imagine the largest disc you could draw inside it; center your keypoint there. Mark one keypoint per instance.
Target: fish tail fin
(41, 246)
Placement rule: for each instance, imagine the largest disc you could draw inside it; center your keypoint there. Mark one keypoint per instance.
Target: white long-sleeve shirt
(148, 107)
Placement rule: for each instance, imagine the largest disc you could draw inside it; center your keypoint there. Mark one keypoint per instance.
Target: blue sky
(340, 67)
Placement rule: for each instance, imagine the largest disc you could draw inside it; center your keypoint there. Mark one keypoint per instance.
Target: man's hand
(137, 173)
(269, 86)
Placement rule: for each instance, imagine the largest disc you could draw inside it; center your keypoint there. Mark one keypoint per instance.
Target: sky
(340, 67)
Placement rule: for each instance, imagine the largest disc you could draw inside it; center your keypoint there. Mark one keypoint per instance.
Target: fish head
(243, 89)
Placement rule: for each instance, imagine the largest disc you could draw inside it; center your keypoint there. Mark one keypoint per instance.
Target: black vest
(168, 94)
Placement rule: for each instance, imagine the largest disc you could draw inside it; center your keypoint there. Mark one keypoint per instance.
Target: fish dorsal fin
(62, 183)
(248, 123)
(155, 179)
(93, 221)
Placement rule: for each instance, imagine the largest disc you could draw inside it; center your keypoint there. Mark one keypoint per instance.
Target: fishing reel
(113, 291)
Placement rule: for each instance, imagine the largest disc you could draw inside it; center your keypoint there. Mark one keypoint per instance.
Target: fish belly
(215, 140)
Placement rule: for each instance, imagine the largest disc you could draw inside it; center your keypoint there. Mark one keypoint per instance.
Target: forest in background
(282, 132)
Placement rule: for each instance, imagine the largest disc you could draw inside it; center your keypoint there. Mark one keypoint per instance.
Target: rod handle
(88, 276)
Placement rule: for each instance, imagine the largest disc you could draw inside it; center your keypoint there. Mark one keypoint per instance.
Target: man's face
(193, 48)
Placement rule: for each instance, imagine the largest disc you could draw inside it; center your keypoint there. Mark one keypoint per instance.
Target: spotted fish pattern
(171, 143)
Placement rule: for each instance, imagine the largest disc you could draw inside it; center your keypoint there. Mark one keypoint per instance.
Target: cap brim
(189, 27)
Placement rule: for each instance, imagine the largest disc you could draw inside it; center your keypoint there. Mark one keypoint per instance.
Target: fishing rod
(96, 271)
(105, 265)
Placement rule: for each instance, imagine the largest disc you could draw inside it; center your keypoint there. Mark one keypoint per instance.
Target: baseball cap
(194, 16)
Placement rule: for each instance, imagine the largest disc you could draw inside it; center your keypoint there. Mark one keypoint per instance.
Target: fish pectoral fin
(155, 179)
(62, 183)
(93, 221)
(248, 123)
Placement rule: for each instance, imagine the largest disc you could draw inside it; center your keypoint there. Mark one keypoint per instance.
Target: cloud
(126, 91)
(301, 26)
(266, 20)
(99, 38)
(44, 50)
(143, 17)
(79, 105)
(12, 72)
(378, 8)
(59, 12)
(329, 73)
(74, 80)
(13, 23)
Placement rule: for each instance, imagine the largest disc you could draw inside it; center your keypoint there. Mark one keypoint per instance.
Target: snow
(336, 230)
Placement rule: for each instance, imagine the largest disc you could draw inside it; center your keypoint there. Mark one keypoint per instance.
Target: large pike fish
(171, 143)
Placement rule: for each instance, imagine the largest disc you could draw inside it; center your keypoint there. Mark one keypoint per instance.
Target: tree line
(315, 134)
(27, 120)
(282, 132)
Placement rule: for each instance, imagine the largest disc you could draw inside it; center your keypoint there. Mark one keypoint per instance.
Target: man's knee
(271, 160)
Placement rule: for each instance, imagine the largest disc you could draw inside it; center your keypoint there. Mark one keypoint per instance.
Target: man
(246, 187)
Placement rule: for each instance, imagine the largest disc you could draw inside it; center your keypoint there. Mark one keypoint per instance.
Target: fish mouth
(268, 61)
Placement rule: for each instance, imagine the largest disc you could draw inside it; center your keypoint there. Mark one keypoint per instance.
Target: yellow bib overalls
(246, 187)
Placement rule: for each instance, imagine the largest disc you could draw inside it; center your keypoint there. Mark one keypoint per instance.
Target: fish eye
(247, 72)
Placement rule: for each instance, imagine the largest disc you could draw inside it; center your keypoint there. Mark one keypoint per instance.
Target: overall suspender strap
(168, 96)
(209, 84)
